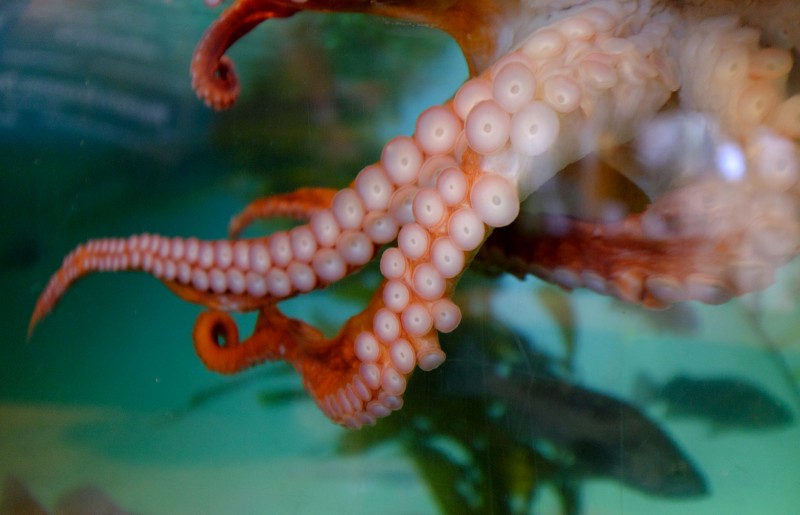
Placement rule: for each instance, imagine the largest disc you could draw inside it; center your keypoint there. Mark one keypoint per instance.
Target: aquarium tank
(474, 256)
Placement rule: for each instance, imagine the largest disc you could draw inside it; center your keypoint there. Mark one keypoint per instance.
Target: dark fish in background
(606, 437)
(88, 500)
(597, 435)
(726, 403)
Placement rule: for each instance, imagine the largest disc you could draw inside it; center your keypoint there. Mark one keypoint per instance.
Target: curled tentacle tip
(213, 75)
(218, 88)
(215, 336)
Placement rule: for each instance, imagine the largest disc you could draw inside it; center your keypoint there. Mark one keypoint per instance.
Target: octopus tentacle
(475, 24)
(216, 342)
(213, 75)
(230, 275)
(743, 85)
(398, 330)
(643, 258)
(300, 204)
(276, 336)
(694, 242)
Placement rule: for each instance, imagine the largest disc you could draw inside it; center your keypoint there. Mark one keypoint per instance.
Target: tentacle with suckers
(695, 241)
(239, 275)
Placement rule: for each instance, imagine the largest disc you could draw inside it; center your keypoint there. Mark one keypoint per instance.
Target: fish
(507, 421)
(597, 435)
(725, 403)
(606, 437)
(17, 499)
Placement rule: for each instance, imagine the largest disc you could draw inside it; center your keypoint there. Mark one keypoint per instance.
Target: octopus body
(632, 83)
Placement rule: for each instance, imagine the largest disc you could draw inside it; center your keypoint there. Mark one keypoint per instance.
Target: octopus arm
(617, 259)
(235, 274)
(474, 24)
(299, 205)
(693, 243)
(213, 75)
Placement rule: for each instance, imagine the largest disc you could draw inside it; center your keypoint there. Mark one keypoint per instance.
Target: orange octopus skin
(552, 82)
(469, 21)
(298, 205)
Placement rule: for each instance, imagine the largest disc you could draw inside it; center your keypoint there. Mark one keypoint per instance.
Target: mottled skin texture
(632, 85)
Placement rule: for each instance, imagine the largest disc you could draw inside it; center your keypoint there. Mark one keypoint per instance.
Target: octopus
(688, 100)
